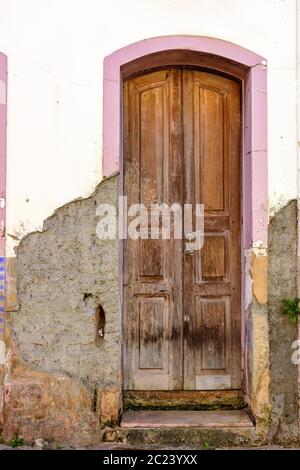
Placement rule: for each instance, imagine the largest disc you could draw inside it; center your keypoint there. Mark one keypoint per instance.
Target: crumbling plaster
(64, 273)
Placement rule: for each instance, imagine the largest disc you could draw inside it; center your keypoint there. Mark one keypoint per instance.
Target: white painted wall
(55, 50)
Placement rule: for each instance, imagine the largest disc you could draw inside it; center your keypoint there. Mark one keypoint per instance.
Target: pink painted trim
(255, 173)
(255, 162)
(3, 122)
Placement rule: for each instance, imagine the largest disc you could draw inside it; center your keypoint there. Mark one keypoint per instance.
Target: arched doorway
(249, 69)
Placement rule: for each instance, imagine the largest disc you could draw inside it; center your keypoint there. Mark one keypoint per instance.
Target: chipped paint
(256, 274)
(259, 269)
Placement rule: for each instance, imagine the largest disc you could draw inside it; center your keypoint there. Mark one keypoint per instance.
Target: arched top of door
(197, 51)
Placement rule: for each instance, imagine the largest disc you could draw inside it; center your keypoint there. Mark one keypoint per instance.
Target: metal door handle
(189, 252)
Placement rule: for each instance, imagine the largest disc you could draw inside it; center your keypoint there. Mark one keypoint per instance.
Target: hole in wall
(100, 323)
(92, 308)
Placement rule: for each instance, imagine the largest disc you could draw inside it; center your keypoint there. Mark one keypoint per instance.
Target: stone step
(186, 419)
(200, 428)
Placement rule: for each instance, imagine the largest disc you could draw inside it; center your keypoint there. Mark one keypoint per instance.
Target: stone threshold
(222, 419)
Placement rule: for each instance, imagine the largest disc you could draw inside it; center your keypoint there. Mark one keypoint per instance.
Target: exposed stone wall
(282, 284)
(66, 278)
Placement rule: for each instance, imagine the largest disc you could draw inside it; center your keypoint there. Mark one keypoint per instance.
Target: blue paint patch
(1, 298)
(1, 309)
(1, 268)
(2, 287)
(2, 278)
(2, 259)
(1, 320)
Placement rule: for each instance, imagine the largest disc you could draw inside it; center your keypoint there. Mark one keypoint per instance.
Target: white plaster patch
(259, 249)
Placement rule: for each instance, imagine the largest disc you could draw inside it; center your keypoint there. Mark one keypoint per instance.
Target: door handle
(189, 251)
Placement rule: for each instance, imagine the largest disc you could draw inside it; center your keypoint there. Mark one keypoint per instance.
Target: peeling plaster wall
(63, 274)
(282, 284)
(65, 271)
(271, 377)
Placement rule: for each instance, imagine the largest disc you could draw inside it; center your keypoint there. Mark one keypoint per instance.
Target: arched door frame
(222, 57)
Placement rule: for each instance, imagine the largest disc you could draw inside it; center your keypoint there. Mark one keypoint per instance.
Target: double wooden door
(182, 312)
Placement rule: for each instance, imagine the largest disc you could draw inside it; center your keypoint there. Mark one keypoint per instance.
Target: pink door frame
(3, 123)
(254, 152)
(254, 140)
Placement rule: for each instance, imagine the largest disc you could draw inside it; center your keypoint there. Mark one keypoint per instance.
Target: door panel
(182, 313)
(213, 265)
(153, 268)
(209, 145)
(212, 301)
(153, 340)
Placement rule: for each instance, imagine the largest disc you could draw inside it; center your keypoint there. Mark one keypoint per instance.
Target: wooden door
(182, 312)
(153, 268)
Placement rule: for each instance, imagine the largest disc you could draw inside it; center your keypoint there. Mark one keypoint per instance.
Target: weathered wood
(212, 155)
(153, 274)
(183, 58)
(182, 313)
